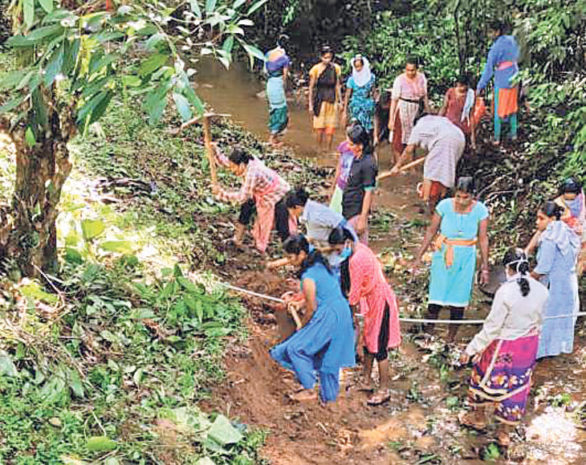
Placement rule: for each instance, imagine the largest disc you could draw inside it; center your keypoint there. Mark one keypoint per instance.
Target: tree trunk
(30, 235)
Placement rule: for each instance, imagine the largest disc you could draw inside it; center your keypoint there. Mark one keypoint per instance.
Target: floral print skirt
(503, 377)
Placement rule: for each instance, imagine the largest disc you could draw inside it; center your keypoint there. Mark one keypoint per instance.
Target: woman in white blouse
(504, 351)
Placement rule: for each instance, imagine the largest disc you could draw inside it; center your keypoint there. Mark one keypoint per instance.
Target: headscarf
(468, 105)
(362, 77)
(562, 236)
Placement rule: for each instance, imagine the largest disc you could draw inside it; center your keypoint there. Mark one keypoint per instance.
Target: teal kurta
(453, 286)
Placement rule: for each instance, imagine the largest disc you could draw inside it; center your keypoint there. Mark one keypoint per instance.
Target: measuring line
(404, 320)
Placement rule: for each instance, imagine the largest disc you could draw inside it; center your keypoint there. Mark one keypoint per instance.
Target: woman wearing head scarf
(573, 202)
(325, 343)
(504, 350)
(359, 89)
(556, 264)
(461, 223)
(325, 96)
(277, 68)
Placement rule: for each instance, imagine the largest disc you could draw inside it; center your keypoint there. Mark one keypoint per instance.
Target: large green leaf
(71, 54)
(228, 44)
(182, 105)
(195, 8)
(90, 105)
(255, 7)
(47, 5)
(12, 104)
(100, 444)
(152, 64)
(223, 432)
(92, 228)
(43, 33)
(194, 99)
(124, 247)
(7, 367)
(28, 8)
(238, 4)
(210, 6)
(11, 79)
(55, 65)
(100, 108)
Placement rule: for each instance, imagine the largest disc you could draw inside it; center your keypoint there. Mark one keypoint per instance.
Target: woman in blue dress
(359, 89)
(325, 342)
(462, 224)
(558, 251)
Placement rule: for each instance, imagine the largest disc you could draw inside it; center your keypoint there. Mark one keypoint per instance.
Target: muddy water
(351, 433)
(239, 93)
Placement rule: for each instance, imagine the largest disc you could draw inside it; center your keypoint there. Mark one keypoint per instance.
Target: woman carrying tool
(325, 343)
(462, 224)
(363, 279)
(262, 190)
(444, 143)
(559, 247)
(504, 350)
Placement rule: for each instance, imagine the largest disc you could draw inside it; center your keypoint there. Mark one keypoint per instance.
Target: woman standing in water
(277, 68)
(505, 349)
(359, 99)
(559, 247)
(372, 297)
(462, 224)
(325, 97)
(408, 96)
(325, 343)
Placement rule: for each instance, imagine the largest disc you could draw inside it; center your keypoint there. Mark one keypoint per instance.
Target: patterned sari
(503, 377)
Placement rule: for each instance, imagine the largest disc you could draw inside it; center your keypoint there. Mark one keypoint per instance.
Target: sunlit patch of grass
(7, 167)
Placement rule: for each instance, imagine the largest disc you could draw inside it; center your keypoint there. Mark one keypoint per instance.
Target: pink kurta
(368, 282)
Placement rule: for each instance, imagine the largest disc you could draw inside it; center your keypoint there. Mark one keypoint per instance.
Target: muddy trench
(419, 425)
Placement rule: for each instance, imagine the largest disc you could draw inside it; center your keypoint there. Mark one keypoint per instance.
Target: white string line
(404, 320)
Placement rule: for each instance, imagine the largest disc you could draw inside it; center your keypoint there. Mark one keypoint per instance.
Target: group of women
(342, 284)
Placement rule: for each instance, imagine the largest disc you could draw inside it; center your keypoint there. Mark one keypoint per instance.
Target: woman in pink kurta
(367, 288)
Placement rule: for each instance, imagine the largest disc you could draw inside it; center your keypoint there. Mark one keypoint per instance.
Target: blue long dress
(326, 343)
(559, 269)
(453, 286)
(361, 103)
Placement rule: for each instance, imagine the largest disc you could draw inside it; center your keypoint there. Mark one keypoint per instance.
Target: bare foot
(380, 397)
(503, 439)
(472, 420)
(304, 396)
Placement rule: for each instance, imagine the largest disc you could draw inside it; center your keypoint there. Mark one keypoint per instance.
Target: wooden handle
(295, 316)
(403, 168)
(207, 135)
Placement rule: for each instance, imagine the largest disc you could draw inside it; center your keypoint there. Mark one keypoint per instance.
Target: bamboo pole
(388, 174)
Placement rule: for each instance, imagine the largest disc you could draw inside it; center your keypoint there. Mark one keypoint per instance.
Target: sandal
(470, 420)
(380, 397)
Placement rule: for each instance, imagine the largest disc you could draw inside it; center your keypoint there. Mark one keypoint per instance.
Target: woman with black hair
(358, 193)
(461, 223)
(409, 95)
(325, 343)
(505, 349)
(382, 111)
(573, 201)
(318, 219)
(558, 251)
(262, 190)
(325, 96)
(371, 296)
(458, 107)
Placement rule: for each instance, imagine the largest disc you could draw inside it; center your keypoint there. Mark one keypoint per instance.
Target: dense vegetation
(104, 358)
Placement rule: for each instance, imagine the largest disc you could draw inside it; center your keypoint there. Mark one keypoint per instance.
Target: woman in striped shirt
(263, 191)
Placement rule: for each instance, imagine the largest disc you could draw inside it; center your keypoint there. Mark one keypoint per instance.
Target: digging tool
(207, 135)
(295, 315)
(388, 174)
